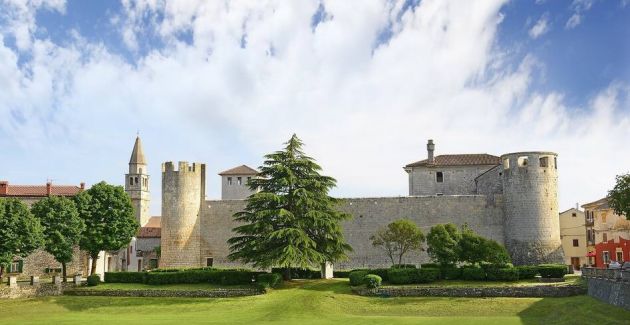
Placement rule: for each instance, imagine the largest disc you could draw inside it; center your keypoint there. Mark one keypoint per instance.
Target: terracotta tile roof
(154, 222)
(240, 170)
(40, 190)
(601, 203)
(149, 232)
(459, 160)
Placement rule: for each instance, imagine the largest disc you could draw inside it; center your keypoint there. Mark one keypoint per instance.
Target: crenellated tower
(530, 192)
(137, 183)
(183, 192)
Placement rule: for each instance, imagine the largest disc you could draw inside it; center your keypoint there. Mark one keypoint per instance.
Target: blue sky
(365, 84)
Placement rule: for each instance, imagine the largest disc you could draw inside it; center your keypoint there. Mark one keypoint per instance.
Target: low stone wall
(30, 291)
(525, 291)
(216, 293)
(609, 286)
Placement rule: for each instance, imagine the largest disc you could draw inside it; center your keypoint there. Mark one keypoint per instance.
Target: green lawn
(140, 286)
(310, 302)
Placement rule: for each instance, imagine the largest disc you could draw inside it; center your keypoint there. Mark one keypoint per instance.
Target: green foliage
(93, 280)
(341, 274)
(291, 221)
(125, 277)
(20, 231)
(109, 219)
(380, 272)
(399, 238)
(269, 280)
(619, 196)
(450, 272)
(552, 270)
(223, 277)
(473, 273)
(430, 265)
(502, 274)
(413, 276)
(298, 273)
(356, 277)
(403, 266)
(443, 243)
(475, 249)
(372, 281)
(62, 227)
(527, 271)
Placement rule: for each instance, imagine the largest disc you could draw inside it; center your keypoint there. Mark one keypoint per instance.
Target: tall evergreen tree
(20, 232)
(62, 227)
(291, 221)
(109, 219)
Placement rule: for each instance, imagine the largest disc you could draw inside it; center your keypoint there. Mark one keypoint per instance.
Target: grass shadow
(567, 310)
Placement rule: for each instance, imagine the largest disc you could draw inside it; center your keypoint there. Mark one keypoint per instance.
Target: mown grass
(140, 286)
(311, 302)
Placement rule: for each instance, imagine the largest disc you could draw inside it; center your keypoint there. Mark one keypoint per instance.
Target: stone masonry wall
(481, 213)
(458, 180)
(609, 286)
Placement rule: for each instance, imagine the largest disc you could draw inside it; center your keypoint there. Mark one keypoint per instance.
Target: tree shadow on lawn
(336, 286)
(573, 310)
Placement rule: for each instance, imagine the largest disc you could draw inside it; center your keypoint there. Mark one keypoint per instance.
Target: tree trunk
(1, 273)
(63, 271)
(94, 259)
(286, 274)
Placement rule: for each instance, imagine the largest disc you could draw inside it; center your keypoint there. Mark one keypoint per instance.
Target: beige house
(603, 224)
(573, 236)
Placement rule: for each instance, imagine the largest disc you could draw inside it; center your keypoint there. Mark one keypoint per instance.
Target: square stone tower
(234, 182)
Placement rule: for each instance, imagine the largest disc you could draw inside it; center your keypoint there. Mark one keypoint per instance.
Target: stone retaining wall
(525, 291)
(30, 291)
(609, 286)
(216, 293)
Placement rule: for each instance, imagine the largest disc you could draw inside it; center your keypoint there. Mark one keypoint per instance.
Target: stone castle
(512, 199)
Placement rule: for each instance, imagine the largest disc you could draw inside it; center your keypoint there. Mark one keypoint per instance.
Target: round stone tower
(530, 192)
(183, 191)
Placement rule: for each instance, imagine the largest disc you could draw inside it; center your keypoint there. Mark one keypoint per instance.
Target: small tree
(110, 223)
(20, 232)
(619, 196)
(398, 238)
(496, 253)
(475, 249)
(62, 227)
(443, 243)
(291, 221)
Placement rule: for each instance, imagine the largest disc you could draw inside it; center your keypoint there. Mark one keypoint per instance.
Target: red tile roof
(459, 160)
(39, 190)
(154, 222)
(150, 232)
(240, 170)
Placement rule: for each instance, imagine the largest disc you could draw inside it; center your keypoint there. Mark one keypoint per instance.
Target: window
(574, 214)
(153, 263)
(522, 161)
(136, 180)
(506, 163)
(606, 257)
(229, 180)
(555, 162)
(209, 261)
(249, 178)
(619, 257)
(439, 177)
(16, 267)
(604, 237)
(130, 180)
(576, 243)
(604, 218)
(544, 161)
(239, 181)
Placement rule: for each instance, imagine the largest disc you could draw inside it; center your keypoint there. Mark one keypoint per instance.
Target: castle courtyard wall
(484, 214)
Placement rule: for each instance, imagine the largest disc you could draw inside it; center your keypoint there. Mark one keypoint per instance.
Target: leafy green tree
(291, 221)
(20, 231)
(62, 227)
(443, 243)
(475, 249)
(109, 219)
(398, 238)
(619, 196)
(496, 253)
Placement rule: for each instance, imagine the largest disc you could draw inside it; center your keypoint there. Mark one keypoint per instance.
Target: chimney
(430, 149)
(4, 187)
(48, 188)
(82, 186)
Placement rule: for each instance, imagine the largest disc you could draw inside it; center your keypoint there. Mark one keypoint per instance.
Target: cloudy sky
(363, 83)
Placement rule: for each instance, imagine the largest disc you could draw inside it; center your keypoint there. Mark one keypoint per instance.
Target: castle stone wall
(483, 214)
(490, 182)
(458, 180)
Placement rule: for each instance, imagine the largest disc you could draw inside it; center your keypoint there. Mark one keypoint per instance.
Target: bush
(552, 270)
(502, 274)
(93, 280)
(372, 281)
(473, 274)
(411, 276)
(223, 277)
(341, 274)
(125, 277)
(427, 275)
(404, 266)
(380, 272)
(430, 265)
(450, 272)
(356, 277)
(297, 273)
(527, 271)
(269, 280)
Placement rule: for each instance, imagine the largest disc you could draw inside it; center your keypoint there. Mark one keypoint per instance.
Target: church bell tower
(137, 183)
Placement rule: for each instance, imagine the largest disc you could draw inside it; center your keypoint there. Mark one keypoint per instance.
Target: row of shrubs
(215, 276)
(430, 272)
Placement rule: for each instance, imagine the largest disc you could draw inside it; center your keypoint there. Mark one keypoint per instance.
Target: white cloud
(575, 20)
(579, 7)
(540, 28)
(362, 112)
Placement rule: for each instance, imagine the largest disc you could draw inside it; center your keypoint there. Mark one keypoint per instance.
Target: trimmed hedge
(380, 272)
(413, 276)
(341, 274)
(502, 274)
(552, 270)
(473, 273)
(404, 266)
(356, 277)
(527, 271)
(223, 277)
(297, 273)
(125, 277)
(430, 265)
(372, 281)
(93, 280)
(269, 280)
(450, 272)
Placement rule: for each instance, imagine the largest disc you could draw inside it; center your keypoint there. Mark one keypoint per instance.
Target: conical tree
(291, 221)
